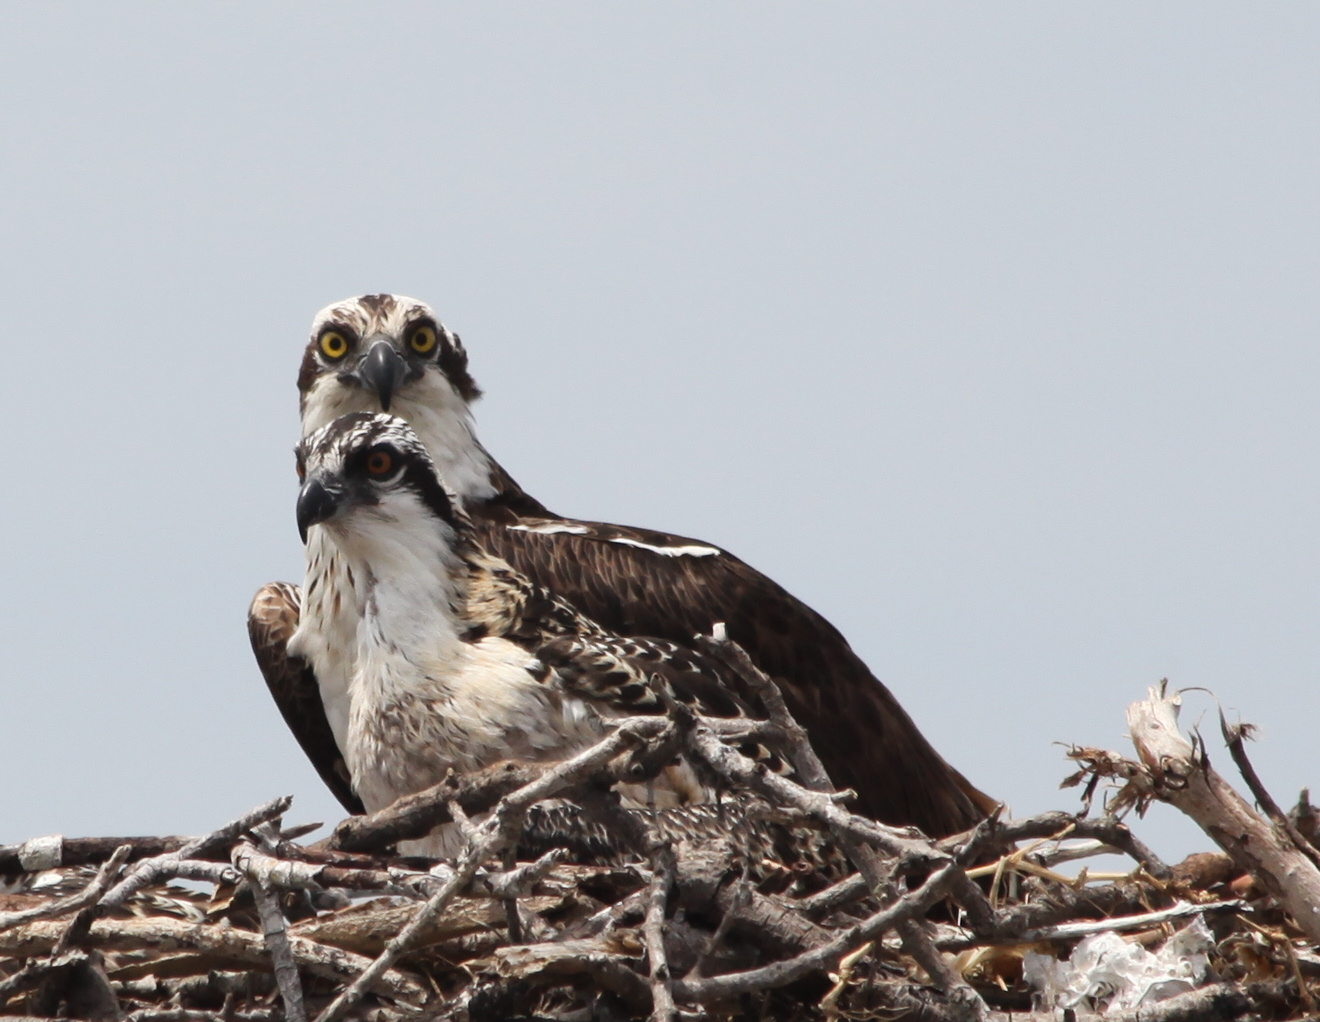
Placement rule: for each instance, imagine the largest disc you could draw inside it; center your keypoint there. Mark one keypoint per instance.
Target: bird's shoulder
(643, 581)
(503, 602)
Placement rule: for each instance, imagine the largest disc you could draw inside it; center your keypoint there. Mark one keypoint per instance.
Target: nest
(779, 903)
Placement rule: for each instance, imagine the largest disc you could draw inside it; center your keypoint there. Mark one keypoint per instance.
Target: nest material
(780, 904)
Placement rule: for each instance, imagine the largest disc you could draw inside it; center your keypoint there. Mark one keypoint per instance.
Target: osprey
(430, 654)
(390, 353)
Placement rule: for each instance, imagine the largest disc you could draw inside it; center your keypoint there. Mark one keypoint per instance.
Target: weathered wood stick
(1182, 776)
(87, 896)
(141, 875)
(653, 932)
(275, 930)
(992, 837)
(1235, 736)
(57, 850)
(569, 958)
(1072, 931)
(416, 815)
(909, 906)
(274, 927)
(162, 933)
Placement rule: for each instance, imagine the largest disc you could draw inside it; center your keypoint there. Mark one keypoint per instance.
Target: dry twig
(89, 895)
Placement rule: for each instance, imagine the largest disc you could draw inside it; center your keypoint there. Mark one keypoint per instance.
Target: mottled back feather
(863, 736)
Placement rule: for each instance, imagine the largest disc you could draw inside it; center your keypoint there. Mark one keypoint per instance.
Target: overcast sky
(988, 330)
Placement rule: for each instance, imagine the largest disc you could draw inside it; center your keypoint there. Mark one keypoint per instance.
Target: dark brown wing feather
(625, 673)
(272, 619)
(629, 674)
(864, 737)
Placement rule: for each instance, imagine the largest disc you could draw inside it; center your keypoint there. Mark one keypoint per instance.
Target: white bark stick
(1183, 777)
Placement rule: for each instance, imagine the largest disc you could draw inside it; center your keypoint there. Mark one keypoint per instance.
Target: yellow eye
(334, 346)
(422, 340)
(379, 462)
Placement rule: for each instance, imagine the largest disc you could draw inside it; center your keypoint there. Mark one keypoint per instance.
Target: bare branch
(994, 837)
(518, 882)
(1234, 737)
(163, 933)
(87, 896)
(142, 874)
(853, 833)
(805, 761)
(56, 851)
(836, 896)
(1073, 931)
(1184, 778)
(653, 930)
(274, 928)
(417, 815)
(823, 958)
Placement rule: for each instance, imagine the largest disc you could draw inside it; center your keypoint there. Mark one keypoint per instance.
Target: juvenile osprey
(386, 352)
(430, 654)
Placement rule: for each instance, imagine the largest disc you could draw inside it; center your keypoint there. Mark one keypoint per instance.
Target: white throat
(379, 610)
(439, 416)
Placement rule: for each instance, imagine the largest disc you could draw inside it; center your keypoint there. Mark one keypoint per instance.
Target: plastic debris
(1107, 973)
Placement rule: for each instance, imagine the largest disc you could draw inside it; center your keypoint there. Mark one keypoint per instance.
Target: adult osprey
(430, 654)
(387, 352)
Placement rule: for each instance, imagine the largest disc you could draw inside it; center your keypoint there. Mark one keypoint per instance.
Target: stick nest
(778, 903)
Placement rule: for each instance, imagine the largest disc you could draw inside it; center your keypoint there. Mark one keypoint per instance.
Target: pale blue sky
(989, 330)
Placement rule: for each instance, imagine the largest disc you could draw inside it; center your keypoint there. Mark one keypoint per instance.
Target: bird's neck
(383, 610)
(441, 419)
(413, 593)
(443, 422)
(446, 428)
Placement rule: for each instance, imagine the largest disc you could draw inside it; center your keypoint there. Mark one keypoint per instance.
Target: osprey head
(374, 351)
(371, 465)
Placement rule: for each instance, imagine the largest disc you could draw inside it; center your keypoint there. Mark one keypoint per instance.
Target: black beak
(317, 503)
(382, 370)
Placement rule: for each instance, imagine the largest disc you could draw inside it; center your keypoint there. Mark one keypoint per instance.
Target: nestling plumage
(387, 352)
(429, 654)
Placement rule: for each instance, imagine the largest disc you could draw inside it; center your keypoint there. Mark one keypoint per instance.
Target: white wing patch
(577, 529)
(551, 528)
(689, 550)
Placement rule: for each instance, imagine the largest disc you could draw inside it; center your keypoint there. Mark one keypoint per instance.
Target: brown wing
(272, 619)
(627, 675)
(639, 582)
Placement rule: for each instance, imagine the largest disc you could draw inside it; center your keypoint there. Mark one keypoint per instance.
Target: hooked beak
(317, 503)
(382, 370)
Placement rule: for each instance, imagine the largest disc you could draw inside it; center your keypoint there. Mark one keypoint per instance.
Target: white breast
(327, 628)
(414, 718)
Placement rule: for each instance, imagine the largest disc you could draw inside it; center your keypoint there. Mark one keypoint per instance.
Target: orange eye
(379, 462)
(334, 346)
(422, 340)
(302, 473)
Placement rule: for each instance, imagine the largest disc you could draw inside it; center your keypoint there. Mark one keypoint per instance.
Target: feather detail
(272, 619)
